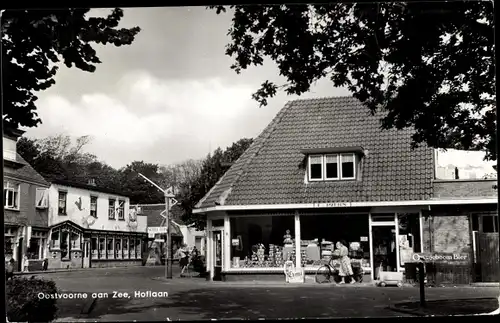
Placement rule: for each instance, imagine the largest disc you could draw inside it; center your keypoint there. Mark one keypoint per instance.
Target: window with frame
(11, 196)
(111, 209)
(61, 206)
(332, 167)
(93, 206)
(121, 210)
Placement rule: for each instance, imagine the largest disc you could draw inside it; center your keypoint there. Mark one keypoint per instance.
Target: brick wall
(464, 188)
(447, 232)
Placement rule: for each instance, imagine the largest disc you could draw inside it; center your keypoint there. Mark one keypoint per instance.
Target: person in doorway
(26, 264)
(9, 270)
(184, 255)
(345, 269)
(45, 264)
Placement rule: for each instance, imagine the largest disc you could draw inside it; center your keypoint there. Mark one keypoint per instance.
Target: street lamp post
(168, 194)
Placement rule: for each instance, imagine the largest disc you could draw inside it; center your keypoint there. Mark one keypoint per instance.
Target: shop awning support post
(421, 281)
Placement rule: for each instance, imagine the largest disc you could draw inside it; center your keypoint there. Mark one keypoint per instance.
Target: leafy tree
(34, 41)
(429, 65)
(213, 168)
(137, 188)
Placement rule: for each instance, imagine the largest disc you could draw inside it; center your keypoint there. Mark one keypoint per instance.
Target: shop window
(93, 206)
(94, 247)
(321, 232)
(11, 196)
(125, 248)
(102, 248)
(75, 241)
(54, 240)
(132, 249)
(118, 248)
(61, 209)
(34, 248)
(121, 210)
(138, 253)
(65, 246)
(409, 236)
(262, 242)
(111, 209)
(110, 248)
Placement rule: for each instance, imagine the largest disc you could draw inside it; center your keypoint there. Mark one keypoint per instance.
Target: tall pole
(168, 253)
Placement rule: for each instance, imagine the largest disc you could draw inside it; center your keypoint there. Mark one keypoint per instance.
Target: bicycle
(330, 271)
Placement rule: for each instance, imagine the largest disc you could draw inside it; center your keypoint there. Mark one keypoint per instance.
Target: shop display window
(34, 248)
(320, 233)
(409, 236)
(262, 242)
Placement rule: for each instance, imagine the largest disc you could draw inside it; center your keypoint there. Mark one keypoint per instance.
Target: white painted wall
(9, 148)
(82, 217)
(470, 164)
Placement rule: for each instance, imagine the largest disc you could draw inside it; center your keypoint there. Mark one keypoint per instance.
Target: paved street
(194, 298)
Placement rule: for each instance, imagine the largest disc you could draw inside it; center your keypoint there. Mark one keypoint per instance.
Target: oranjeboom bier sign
(440, 257)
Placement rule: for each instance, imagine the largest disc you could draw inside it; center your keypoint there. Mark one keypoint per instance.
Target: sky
(168, 97)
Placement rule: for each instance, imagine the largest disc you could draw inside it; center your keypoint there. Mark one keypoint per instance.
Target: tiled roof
(25, 172)
(272, 170)
(153, 212)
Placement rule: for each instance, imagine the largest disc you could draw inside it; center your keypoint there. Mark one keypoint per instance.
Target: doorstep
(492, 284)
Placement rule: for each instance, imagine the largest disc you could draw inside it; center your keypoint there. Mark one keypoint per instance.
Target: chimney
(456, 173)
(91, 182)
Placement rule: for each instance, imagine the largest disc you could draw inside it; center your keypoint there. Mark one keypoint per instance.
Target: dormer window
(327, 167)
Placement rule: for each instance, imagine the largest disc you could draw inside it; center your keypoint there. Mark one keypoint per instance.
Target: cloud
(144, 112)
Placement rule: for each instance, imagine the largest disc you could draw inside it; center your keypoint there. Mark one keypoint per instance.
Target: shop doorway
(384, 249)
(217, 253)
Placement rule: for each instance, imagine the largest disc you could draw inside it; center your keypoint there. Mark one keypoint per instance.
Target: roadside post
(421, 281)
(169, 202)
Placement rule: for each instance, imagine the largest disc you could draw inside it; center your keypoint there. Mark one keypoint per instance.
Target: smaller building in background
(156, 243)
(25, 205)
(93, 227)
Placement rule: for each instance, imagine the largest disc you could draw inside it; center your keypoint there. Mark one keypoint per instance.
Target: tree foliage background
(60, 157)
(428, 65)
(35, 41)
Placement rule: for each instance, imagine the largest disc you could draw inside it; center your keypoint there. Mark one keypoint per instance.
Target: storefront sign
(157, 230)
(440, 257)
(235, 242)
(333, 204)
(363, 239)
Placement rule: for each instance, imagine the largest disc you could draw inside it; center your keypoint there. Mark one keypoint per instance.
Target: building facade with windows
(323, 171)
(93, 227)
(25, 205)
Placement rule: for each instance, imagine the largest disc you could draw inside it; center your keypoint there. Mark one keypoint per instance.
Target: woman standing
(345, 263)
(184, 255)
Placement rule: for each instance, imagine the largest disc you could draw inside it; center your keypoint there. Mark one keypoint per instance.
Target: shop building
(25, 206)
(324, 171)
(93, 227)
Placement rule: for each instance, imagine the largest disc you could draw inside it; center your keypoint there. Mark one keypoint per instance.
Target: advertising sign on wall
(440, 257)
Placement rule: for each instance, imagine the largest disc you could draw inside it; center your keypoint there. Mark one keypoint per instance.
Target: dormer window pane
(331, 163)
(347, 161)
(316, 167)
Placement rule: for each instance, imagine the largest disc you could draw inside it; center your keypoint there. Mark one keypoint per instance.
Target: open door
(218, 247)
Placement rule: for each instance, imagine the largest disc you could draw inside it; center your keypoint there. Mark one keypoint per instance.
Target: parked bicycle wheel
(324, 274)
